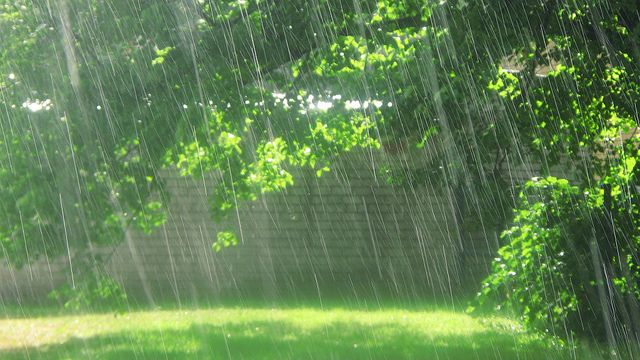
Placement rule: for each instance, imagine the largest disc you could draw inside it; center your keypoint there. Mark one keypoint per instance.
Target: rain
(319, 179)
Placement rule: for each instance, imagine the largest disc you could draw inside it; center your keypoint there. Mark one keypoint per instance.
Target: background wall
(347, 233)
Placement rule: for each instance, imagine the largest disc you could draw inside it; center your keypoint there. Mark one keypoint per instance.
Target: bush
(96, 291)
(546, 271)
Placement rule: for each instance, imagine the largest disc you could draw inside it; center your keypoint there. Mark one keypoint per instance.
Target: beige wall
(347, 231)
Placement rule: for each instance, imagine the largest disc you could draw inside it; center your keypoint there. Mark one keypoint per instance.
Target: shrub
(96, 291)
(547, 269)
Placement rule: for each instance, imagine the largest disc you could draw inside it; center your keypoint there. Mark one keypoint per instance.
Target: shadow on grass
(331, 301)
(281, 340)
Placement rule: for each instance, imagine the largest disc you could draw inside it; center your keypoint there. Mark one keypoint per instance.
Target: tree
(570, 259)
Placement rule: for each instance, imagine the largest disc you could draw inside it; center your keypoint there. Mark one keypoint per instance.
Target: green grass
(283, 333)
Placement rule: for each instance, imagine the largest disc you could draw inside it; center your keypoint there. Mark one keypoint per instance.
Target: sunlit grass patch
(263, 333)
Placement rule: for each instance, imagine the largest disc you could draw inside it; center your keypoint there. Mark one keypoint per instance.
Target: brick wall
(345, 233)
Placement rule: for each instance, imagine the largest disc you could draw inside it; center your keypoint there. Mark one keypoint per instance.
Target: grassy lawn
(263, 333)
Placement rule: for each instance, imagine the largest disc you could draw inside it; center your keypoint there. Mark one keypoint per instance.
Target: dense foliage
(570, 259)
(99, 96)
